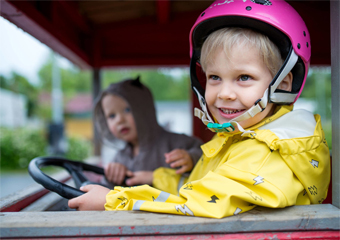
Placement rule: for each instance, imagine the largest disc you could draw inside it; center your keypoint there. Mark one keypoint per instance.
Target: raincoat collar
(213, 147)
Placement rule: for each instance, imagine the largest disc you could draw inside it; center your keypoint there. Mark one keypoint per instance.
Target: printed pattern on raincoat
(284, 162)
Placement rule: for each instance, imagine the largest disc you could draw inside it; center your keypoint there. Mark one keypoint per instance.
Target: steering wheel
(73, 167)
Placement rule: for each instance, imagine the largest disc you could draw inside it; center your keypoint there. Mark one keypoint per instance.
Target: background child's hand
(140, 177)
(179, 158)
(115, 173)
(93, 200)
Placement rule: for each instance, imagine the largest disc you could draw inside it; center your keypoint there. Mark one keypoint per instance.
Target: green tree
(163, 85)
(318, 88)
(72, 79)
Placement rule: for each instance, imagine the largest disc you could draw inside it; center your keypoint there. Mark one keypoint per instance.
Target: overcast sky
(22, 53)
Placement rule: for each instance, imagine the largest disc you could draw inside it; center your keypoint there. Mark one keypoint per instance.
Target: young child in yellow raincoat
(254, 56)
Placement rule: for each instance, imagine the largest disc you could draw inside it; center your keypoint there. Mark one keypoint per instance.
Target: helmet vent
(262, 2)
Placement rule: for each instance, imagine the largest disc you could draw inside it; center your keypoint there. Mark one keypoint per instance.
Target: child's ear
(286, 83)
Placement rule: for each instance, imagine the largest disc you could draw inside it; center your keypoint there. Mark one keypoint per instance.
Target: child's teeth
(227, 111)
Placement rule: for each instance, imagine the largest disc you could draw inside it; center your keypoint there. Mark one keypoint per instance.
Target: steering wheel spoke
(76, 172)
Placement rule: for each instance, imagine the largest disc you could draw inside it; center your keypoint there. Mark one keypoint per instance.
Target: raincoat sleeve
(166, 179)
(226, 191)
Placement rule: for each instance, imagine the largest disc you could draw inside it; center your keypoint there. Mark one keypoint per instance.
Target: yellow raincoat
(284, 161)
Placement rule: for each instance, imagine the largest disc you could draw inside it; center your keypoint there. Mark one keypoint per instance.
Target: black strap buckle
(259, 101)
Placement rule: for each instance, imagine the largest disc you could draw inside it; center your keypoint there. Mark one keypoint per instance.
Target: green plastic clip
(225, 127)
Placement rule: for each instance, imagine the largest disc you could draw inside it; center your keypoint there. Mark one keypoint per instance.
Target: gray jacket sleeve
(191, 144)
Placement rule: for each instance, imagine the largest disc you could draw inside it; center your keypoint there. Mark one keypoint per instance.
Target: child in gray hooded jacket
(125, 112)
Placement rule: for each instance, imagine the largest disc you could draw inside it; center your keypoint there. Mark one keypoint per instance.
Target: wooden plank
(22, 199)
(49, 202)
(302, 235)
(324, 217)
(45, 203)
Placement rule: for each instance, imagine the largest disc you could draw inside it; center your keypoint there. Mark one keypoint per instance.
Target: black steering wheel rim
(73, 167)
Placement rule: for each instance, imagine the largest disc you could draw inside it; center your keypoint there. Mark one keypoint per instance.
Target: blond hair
(226, 38)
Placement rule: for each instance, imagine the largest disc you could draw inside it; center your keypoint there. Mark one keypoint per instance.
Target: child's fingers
(183, 169)
(74, 203)
(119, 175)
(173, 156)
(114, 175)
(109, 172)
(87, 188)
(176, 152)
(142, 177)
(135, 180)
(132, 181)
(178, 163)
(129, 173)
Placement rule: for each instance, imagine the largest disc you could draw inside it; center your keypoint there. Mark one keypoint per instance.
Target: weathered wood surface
(21, 199)
(132, 223)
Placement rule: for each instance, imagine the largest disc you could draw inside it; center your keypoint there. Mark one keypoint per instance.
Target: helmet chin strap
(259, 106)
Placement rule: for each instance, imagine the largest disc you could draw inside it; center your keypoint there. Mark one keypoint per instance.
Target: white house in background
(13, 111)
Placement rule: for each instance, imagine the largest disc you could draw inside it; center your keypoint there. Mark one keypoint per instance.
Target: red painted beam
(22, 203)
(70, 8)
(163, 11)
(145, 42)
(59, 25)
(316, 15)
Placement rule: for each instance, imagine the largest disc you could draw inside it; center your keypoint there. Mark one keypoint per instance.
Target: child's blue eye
(112, 115)
(244, 78)
(214, 77)
(127, 109)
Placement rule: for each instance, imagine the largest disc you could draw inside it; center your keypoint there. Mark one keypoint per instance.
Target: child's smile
(231, 113)
(235, 82)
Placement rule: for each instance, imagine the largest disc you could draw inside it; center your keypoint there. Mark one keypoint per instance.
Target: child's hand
(179, 158)
(115, 173)
(93, 200)
(140, 177)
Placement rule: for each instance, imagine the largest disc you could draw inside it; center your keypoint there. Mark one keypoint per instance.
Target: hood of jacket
(142, 106)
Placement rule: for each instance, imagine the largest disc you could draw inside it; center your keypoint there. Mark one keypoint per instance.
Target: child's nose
(227, 92)
(120, 118)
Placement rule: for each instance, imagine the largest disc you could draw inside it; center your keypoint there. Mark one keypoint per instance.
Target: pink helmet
(273, 18)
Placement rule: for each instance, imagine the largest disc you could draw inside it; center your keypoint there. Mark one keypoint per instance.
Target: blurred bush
(78, 149)
(19, 146)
